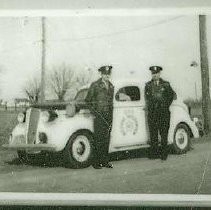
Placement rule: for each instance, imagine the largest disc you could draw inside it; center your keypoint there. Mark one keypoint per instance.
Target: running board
(134, 145)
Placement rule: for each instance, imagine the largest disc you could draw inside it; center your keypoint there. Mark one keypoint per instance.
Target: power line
(95, 37)
(116, 33)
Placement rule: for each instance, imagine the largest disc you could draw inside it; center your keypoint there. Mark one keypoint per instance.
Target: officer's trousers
(158, 123)
(102, 130)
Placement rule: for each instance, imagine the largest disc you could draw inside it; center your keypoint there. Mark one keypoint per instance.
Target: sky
(130, 43)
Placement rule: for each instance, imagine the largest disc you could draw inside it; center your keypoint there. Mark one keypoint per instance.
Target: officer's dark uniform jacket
(100, 99)
(100, 102)
(158, 97)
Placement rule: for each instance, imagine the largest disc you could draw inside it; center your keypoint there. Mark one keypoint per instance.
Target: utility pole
(196, 95)
(206, 112)
(42, 85)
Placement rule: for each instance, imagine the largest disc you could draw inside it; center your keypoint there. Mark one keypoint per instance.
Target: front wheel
(78, 152)
(181, 141)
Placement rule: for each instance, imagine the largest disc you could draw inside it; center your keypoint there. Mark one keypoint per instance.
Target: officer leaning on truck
(159, 96)
(100, 102)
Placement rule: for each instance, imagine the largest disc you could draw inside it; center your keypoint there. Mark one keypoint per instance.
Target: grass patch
(8, 120)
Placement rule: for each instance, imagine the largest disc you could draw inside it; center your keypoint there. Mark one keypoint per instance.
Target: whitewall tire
(78, 152)
(181, 141)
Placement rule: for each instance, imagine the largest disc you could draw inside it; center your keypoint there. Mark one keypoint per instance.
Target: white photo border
(100, 199)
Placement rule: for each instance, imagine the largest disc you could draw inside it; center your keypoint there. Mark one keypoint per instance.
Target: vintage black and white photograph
(105, 104)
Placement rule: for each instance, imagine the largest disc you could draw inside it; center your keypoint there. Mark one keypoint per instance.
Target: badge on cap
(155, 69)
(105, 69)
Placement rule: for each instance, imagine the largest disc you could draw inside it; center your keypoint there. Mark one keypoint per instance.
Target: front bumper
(30, 147)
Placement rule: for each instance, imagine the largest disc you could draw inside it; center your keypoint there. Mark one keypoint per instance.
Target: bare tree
(61, 79)
(32, 90)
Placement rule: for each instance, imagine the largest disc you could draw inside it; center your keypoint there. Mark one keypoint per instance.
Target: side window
(128, 93)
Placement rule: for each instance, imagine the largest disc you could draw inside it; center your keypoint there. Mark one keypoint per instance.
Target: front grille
(33, 119)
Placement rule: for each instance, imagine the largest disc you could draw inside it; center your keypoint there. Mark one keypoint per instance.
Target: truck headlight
(10, 139)
(43, 138)
(45, 116)
(21, 117)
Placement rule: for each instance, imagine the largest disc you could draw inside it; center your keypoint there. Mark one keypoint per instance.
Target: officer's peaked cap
(105, 69)
(155, 69)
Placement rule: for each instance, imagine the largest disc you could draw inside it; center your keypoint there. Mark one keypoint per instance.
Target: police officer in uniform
(100, 102)
(159, 96)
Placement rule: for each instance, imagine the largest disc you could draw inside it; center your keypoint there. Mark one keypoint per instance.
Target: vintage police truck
(67, 128)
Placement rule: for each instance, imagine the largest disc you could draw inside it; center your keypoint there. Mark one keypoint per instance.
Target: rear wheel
(181, 139)
(78, 152)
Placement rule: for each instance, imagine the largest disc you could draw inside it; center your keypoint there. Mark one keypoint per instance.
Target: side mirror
(70, 110)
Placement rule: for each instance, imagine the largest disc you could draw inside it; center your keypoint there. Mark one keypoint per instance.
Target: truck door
(129, 121)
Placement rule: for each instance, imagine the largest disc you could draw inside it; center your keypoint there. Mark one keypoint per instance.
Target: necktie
(156, 83)
(106, 85)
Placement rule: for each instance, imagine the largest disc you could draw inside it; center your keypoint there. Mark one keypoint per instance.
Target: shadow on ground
(131, 154)
(56, 160)
(43, 160)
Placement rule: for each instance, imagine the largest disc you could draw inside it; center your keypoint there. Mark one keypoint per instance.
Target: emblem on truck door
(129, 125)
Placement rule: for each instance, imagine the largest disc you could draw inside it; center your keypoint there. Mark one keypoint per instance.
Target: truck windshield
(81, 95)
